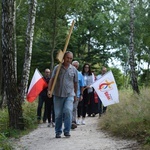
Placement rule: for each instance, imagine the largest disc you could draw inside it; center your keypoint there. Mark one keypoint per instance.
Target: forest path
(84, 137)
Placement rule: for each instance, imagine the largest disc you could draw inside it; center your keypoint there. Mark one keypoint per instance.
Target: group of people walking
(72, 97)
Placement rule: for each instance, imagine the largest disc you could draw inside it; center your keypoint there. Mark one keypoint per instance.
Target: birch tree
(132, 50)
(0, 79)
(28, 48)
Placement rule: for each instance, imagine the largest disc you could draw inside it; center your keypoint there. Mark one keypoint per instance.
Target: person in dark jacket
(47, 102)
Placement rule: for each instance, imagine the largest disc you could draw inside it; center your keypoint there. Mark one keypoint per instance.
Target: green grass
(29, 115)
(130, 118)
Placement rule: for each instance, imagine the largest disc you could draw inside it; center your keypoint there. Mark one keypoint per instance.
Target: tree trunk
(15, 45)
(131, 51)
(28, 49)
(1, 102)
(8, 56)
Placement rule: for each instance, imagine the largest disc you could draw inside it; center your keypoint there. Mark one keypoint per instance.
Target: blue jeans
(63, 107)
(74, 113)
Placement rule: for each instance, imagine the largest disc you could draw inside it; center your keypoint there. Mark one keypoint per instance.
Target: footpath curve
(84, 137)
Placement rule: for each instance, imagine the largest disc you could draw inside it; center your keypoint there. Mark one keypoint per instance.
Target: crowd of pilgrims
(88, 106)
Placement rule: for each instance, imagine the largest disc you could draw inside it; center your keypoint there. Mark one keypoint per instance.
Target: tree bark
(132, 51)
(28, 49)
(1, 102)
(8, 56)
(15, 44)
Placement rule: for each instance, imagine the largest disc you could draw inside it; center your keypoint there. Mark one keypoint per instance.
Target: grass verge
(130, 117)
(29, 114)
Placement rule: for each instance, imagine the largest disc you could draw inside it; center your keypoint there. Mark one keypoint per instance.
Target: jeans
(74, 113)
(63, 107)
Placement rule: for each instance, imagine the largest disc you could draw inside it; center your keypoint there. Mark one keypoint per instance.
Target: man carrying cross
(64, 93)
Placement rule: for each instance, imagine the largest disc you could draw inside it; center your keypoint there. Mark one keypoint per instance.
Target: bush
(30, 122)
(29, 115)
(130, 117)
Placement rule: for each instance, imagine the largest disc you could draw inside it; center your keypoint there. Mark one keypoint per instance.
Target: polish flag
(36, 86)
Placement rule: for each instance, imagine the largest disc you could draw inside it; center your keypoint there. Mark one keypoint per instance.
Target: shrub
(130, 117)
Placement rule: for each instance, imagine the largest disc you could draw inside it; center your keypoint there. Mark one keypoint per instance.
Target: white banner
(106, 89)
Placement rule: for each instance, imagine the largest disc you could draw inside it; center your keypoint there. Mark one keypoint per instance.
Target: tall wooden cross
(60, 57)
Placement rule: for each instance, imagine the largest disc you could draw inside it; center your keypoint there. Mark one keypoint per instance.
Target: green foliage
(4, 122)
(4, 130)
(30, 120)
(144, 79)
(29, 114)
(101, 32)
(130, 117)
(118, 77)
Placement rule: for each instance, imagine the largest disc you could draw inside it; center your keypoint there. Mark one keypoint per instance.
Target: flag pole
(60, 56)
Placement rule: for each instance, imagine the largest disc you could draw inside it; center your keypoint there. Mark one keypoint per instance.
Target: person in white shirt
(87, 93)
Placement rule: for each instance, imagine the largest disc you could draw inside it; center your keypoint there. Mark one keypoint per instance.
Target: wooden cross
(60, 57)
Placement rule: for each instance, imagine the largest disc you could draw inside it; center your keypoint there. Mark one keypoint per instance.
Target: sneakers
(83, 122)
(67, 135)
(58, 136)
(93, 115)
(53, 124)
(49, 124)
(78, 122)
(73, 126)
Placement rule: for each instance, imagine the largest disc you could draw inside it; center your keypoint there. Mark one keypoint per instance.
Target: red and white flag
(36, 86)
(106, 89)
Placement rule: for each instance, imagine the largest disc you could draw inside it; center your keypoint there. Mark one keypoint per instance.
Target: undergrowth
(30, 123)
(130, 117)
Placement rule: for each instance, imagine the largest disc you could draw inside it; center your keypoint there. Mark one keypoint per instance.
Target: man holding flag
(43, 98)
(38, 87)
(106, 89)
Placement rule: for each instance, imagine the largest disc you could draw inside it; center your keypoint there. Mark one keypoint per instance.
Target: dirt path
(84, 137)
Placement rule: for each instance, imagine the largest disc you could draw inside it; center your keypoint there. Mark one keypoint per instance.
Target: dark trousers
(83, 105)
(79, 109)
(41, 102)
(50, 110)
(101, 108)
(92, 106)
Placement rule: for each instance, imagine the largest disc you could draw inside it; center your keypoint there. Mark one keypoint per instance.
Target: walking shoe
(93, 115)
(58, 136)
(67, 135)
(53, 124)
(73, 126)
(49, 124)
(78, 122)
(83, 122)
